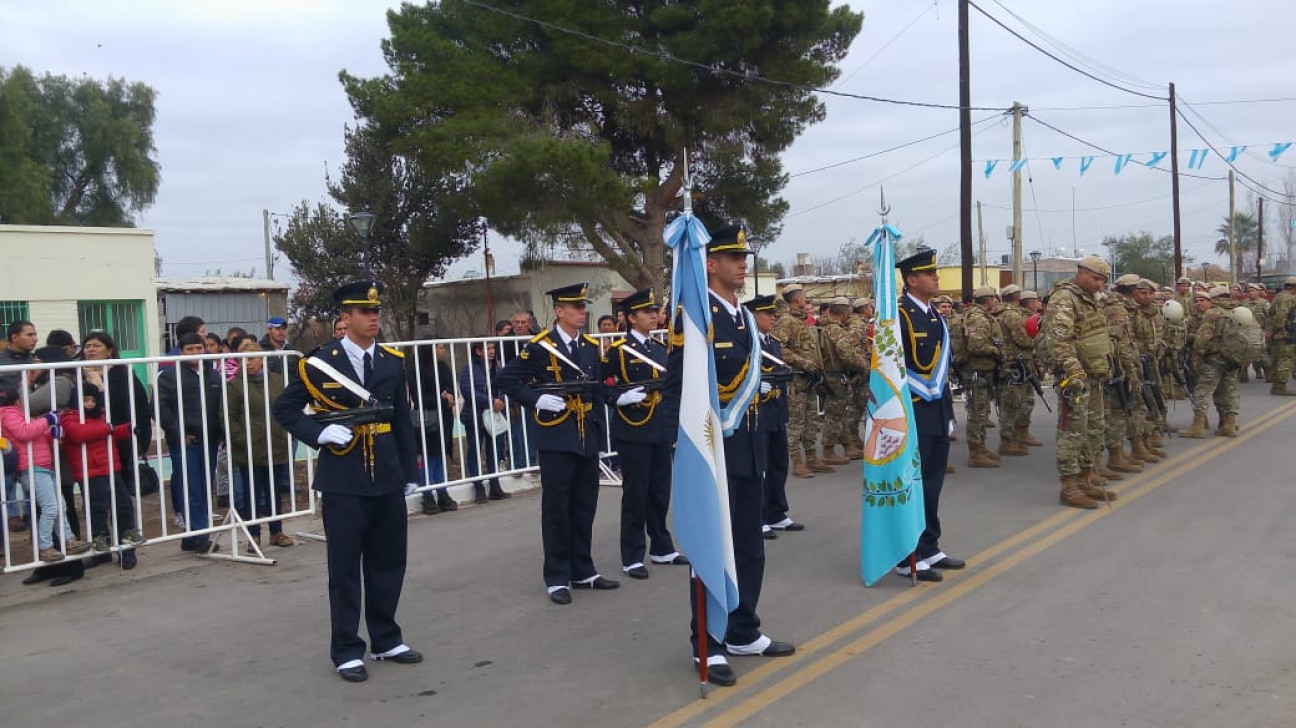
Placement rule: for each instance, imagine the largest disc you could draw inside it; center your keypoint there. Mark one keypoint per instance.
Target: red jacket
(93, 433)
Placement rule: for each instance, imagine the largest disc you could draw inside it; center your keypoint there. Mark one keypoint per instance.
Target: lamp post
(362, 224)
(1204, 267)
(1035, 256)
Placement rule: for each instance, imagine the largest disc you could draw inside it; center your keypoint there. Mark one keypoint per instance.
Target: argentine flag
(700, 486)
(892, 516)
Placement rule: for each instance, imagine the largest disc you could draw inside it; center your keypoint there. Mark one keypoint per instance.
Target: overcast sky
(250, 113)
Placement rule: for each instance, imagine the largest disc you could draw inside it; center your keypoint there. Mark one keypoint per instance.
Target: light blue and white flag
(700, 485)
(892, 516)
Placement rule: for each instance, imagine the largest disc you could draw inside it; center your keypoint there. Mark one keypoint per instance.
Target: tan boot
(1197, 431)
(853, 453)
(1228, 426)
(1108, 471)
(1152, 448)
(1139, 451)
(1096, 491)
(831, 457)
(1072, 495)
(949, 470)
(1024, 435)
(1154, 439)
(1117, 463)
(1280, 389)
(1090, 476)
(816, 465)
(979, 457)
(799, 468)
(1010, 446)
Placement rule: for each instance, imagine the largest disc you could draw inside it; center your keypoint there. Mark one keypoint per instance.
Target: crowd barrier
(460, 445)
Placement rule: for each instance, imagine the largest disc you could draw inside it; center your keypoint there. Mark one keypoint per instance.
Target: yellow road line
(767, 696)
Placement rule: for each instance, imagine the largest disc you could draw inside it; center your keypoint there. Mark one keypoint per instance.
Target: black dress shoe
(354, 674)
(793, 526)
(679, 560)
(128, 559)
(638, 572)
(769, 535)
(560, 596)
(599, 584)
(773, 649)
(949, 562)
(408, 657)
(448, 504)
(930, 575)
(63, 580)
(34, 578)
(722, 675)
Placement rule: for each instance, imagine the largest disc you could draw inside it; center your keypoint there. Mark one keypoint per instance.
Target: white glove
(634, 396)
(550, 403)
(410, 488)
(335, 435)
(766, 387)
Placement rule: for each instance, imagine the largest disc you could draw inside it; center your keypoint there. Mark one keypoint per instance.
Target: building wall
(223, 310)
(54, 267)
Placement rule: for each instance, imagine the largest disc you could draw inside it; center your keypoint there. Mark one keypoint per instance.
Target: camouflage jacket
(982, 339)
(800, 344)
(1075, 333)
(842, 352)
(1012, 321)
(1280, 314)
(1205, 341)
(1120, 311)
(1149, 330)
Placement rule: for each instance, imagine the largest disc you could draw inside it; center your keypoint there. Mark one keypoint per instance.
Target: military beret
(1184, 279)
(1129, 279)
(1147, 284)
(1010, 289)
(1095, 264)
(983, 291)
(792, 288)
(840, 301)
(861, 302)
(1029, 296)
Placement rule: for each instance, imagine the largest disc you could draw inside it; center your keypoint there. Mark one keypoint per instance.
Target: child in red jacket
(94, 463)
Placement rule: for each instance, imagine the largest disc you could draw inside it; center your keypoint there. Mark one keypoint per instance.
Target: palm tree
(1246, 231)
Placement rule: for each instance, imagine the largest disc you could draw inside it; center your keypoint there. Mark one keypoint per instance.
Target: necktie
(368, 368)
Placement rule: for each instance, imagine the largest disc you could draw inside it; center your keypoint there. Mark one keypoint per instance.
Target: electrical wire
(1104, 150)
(1246, 148)
(1218, 102)
(1233, 166)
(719, 70)
(1100, 208)
(1078, 70)
(886, 45)
(890, 149)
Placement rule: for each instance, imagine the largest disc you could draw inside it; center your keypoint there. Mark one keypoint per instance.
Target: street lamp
(1204, 273)
(362, 224)
(1035, 256)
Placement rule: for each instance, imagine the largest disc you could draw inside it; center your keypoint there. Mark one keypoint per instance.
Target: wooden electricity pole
(965, 151)
(1017, 111)
(1174, 183)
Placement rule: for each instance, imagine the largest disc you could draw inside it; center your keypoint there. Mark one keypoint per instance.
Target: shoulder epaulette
(393, 352)
(617, 343)
(591, 339)
(538, 337)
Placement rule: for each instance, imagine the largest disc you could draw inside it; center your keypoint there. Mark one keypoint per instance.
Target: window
(123, 320)
(13, 311)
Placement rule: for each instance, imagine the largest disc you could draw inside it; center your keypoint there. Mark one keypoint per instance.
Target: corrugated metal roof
(218, 285)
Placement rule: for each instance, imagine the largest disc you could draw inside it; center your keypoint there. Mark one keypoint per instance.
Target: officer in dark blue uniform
(556, 377)
(363, 474)
(641, 441)
(922, 331)
(745, 456)
(773, 403)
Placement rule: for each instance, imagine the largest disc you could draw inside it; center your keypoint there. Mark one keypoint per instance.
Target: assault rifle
(1119, 383)
(357, 416)
(1023, 373)
(1152, 396)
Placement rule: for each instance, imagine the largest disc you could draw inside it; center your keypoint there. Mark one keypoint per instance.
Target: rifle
(1023, 373)
(1152, 396)
(357, 416)
(779, 376)
(1185, 368)
(1117, 382)
(649, 385)
(987, 379)
(574, 386)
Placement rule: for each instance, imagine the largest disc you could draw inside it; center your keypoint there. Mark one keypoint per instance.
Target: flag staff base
(913, 569)
(700, 595)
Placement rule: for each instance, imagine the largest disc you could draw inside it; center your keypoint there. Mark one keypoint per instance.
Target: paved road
(1174, 608)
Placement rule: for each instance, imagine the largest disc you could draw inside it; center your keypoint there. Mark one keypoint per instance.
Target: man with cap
(364, 473)
(844, 362)
(640, 438)
(1259, 306)
(1032, 310)
(927, 365)
(1280, 328)
(569, 433)
(1016, 396)
(773, 417)
(1126, 412)
(1217, 377)
(860, 327)
(744, 452)
(801, 352)
(1149, 333)
(1077, 348)
(979, 369)
(276, 339)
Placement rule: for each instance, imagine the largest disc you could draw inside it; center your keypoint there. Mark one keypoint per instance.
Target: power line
(1100, 208)
(1217, 102)
(1226, 137)
(887, 44)
(891, 149)
(1231, 165)
(720, 70)
(1078, 70)
(1104, 150)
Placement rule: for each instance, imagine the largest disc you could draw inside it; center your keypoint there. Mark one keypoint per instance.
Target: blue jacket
(642, 422)
(579, 429)
(921, 333)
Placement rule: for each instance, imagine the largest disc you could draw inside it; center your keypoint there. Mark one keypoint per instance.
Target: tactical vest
(976, 318)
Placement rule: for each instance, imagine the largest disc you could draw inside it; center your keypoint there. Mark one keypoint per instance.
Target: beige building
(81, 279)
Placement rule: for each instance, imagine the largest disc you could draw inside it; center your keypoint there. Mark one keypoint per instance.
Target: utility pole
(488, 264)
(269, 258)
(965, 150)
(1232, 236)
(1259, 240)
(1174, 183)
(1018, 278)
(981, 236)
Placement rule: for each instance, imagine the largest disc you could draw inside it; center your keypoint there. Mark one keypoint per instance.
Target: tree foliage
(853, 256)
(75, 151)
(1246, 230)
(565, 138)
(418, 229)
(1142, 253)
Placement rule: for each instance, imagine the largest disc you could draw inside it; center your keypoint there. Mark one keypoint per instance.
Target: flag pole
(703, 635)
(884, 209)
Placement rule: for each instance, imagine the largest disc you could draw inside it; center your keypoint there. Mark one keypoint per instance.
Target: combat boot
(1244, 376)
(816, 465)
(1072, 495)
(1024, 435)
(1227, 426)
(1280, 389)
(1010, 446)
(853, 452)
(1107, 472)
(799, 468)
(1093, 487)
(831, 457)
(979, 457)
(1154, 439)
(1198, 429)
(1127, 464)
(1139, 451)
(1152, 447)
(1115, 464)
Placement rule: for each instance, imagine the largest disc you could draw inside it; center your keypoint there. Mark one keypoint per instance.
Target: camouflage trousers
(1123, 423)
(1081, 429)
(803, 422)
(837, 423)
(1217, 381)
(1281, 354)
(1016, 403)
(978, 406)
(858, 404)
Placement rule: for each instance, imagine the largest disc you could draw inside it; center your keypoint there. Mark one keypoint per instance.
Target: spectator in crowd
(434, 418)
(96, 466)
(339, 328)
(607, 324)
(234, 335)
(20, 342)
(33, 438)
(189, 399)
(64, 341)
(262, 463)
(503, 327)
(276, 339)
(212, 344)
(479, 402)
(522, 437)
(125, 398)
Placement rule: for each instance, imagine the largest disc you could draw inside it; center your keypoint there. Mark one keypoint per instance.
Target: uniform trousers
(776, 472)
(745, 509)
(645, 499)
(366, 548)
(933, 452)
(568, 498)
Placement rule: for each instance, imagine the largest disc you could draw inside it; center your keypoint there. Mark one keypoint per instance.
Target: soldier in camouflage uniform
(1031, 305)
(1016, 397)
(843, 359)
(860, 327)
(1075, 345)
(981, 356)
(1278, 329)
(1124, 419)
(1176, 338)
(801, 352)
(1216, 376)
(1149, 334)
(1260, 309)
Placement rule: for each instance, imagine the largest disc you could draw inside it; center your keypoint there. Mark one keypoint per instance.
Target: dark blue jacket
(579, 429)
(921, 333)
(773, 406)
(641, 422)
(478, 393)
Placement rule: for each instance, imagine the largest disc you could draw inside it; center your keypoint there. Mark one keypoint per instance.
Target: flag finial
(884, 209)
(686, 185)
